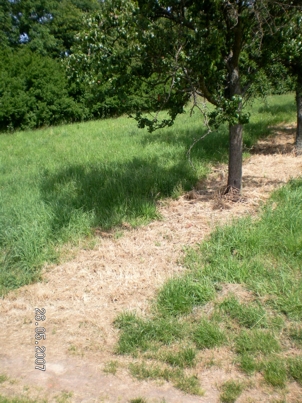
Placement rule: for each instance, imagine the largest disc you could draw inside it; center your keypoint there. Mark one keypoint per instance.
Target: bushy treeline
(35, 38)
(35, 92)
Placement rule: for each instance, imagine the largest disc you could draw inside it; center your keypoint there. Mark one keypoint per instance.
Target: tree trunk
(299, 114)
(235, 137)
(235, 157)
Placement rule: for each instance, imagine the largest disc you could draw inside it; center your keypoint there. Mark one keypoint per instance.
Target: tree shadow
(110, 194)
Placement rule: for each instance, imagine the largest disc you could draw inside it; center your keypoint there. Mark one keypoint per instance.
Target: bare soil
(83, 296)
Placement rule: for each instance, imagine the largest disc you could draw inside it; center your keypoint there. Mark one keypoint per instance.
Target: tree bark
(235, 157)
(299, 115)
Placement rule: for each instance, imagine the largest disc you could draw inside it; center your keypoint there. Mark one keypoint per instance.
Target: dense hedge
(34, 92)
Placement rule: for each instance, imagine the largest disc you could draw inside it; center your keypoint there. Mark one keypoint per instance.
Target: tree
(182, 49)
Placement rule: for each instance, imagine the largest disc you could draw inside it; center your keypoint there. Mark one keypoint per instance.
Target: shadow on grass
(284, 108)
(106, 195)
(109, 194)
(211, 149)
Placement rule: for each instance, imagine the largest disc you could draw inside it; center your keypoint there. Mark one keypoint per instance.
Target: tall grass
(58, 183)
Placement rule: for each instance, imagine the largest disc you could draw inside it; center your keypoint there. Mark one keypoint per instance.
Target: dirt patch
(83, 296)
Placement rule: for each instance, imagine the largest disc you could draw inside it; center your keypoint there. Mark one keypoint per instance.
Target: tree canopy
(181, 50)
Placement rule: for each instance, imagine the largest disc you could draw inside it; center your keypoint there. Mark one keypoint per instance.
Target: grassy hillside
(58, 183)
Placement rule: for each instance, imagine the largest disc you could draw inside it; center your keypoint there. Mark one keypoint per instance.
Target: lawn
(58, 184)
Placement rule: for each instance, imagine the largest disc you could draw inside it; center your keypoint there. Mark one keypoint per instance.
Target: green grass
(269, 255)
(259, 331)
(248, 363)
(58, 184)
(296, 334)
(185, 357)
(181, 356)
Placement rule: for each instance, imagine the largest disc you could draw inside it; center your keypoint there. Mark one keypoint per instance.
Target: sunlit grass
(258, 332)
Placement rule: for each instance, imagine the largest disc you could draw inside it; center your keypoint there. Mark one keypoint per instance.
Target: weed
(231, 390)
(138, 334)
(3, 378)
(111, 367)
(72, 349)
(177, 191)
(208, 335)
(138, 400)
